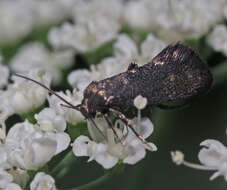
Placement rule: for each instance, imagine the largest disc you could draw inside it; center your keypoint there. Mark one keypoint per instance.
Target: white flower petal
(217, 38)
(12, 186)
(213, 153)
(152, 145)
(79, 78)
(152, 46)
(125, 47)
(5, 178)
(28, 148)
(63, 141)
(27, 95)
(146, 127)
(215, 175)
(103, 157)
(43, 181)
(4, 158)
(50, 121)
(81, 145)
(214, 145)
(70, 115)
(43, 149)
(137, 14)
(136, 152)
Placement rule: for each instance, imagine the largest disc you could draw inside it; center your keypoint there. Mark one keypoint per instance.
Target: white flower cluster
(28, 147)
(213, 157)
(98, 21)
(95, 22)
(26, 96)
(107, 149)
(217, 39)
(173, 18)
(20, 17)
(9, 180)
(21, 96)
(36, 56)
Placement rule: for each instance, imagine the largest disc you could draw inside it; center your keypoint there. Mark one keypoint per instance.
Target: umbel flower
(213, 156)
(107, 149)
(95, 24)
(43, 181)
(26, 96)
(217, 38)
(70, 115)
(35, 55)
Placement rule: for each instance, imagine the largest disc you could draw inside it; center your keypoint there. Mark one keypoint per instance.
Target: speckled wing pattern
(176, 73)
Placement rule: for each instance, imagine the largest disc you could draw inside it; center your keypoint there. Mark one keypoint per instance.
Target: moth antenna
(51, 91)
(64, 105)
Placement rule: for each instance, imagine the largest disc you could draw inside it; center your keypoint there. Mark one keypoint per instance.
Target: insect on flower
(176, 73)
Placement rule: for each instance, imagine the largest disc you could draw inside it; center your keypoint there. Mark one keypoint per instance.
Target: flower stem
(61, 169)
(103, 179)
(220, 74)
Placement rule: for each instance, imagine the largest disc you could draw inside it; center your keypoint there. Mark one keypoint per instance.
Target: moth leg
(93, 122)
(114, 131)
(128, 123)
(167, 107)
(124, 135)
(67, 106)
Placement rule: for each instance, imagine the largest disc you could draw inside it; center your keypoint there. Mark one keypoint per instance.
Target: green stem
(61, 169)
(220, 74)
(103, 179)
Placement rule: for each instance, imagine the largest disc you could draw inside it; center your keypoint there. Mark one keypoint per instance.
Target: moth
(176, 73)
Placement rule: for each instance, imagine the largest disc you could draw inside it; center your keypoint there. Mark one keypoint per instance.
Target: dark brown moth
(176, 73)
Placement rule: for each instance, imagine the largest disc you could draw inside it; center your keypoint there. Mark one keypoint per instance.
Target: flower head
(16, 22)
(6, 181)
(53, 125)
(48, 120)
(95, 24)
(70, 115)
(106, 148)
(26, 95)
(28, 148)
(177, 157)
(36, 56)
(213, 156)
(140, 102)
(217, 38)
(43, 181)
